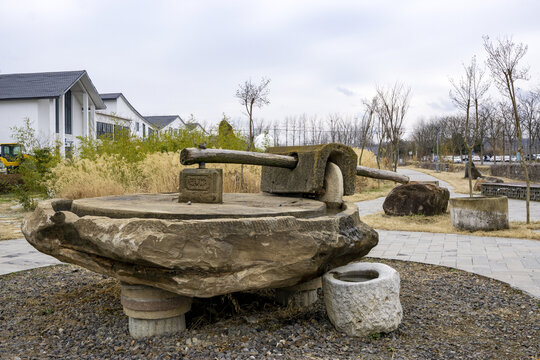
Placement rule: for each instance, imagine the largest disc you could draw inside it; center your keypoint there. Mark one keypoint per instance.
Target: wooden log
(190, 156)
(381, 174)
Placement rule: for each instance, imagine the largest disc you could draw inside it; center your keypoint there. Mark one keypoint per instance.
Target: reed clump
(157, 172)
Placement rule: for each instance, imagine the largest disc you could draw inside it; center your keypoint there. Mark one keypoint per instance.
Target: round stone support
(303, 294)
(153, 311)
(479, 213)
(363, 298)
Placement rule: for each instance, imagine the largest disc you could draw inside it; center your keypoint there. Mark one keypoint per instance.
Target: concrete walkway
(18, 255)
(514, 261)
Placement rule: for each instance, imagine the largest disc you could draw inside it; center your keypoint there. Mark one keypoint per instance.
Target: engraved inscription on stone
(198, 182)
(201, 185)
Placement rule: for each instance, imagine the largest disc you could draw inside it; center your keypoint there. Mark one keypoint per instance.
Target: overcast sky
(188, 57)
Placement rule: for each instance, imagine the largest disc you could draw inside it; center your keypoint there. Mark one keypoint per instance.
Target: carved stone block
(308, 175)
(201, 186)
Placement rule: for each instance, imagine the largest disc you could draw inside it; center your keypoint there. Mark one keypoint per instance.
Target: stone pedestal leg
(153, 311)
(303, 294)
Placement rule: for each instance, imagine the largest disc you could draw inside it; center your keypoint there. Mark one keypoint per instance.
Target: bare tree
(503, 61)
(530, 112)
(393, 105)
(454, 132)
(466, 94)
(253, 95)
(366, 125)
(494, 130)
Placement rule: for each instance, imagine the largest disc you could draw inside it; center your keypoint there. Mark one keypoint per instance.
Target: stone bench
(511, 190)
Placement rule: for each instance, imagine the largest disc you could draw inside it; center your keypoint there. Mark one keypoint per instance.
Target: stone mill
(166, 249)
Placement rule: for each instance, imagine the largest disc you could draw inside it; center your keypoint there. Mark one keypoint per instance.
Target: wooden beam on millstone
(190, 156)
(381, 174)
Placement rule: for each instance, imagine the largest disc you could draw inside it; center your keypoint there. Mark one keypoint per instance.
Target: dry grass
(10, 218)
(455, 179)
(442, 224)
(367, 188)
(371, 193)
(158, 172)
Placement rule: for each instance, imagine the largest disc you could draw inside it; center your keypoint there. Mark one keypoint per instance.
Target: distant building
(120, 114)
(170, 123)
(60, 105)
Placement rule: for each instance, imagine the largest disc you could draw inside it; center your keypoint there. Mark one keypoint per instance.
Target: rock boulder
(416, 199)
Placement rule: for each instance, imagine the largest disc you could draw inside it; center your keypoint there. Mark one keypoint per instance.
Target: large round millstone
(252, 241)
(166, 206)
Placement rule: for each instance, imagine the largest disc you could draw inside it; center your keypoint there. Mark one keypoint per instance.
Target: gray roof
(43, 85)
(161, 121)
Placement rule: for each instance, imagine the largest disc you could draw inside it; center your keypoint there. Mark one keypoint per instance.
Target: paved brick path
(18, 255)
(514, 261)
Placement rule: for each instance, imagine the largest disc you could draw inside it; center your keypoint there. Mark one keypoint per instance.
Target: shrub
(9, 181)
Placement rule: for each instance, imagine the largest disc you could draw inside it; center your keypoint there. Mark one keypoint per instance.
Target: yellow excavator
(10, 156)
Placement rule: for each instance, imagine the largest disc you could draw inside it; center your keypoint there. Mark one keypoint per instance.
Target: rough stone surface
(201, 258)
(165, 206)
(416, 199)
(308, 175)
(475, 173)
(201, 186)
(479, 213)
(361, 308)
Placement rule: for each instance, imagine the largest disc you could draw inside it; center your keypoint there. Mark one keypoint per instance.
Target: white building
(59, 105)
(121, 114)
(169, 123)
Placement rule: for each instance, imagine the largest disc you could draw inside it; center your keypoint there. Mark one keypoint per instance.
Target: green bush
(34, 171)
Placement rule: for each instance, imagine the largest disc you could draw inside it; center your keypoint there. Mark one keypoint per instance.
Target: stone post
(303, 294)
(153, 311)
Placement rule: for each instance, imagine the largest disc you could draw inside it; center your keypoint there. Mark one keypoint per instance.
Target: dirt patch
(11, 216)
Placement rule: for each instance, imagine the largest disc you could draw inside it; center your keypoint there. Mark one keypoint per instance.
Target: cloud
(345, 91)
(443, 105)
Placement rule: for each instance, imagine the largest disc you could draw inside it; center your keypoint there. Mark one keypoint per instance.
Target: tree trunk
(519, 136)
(469, 165)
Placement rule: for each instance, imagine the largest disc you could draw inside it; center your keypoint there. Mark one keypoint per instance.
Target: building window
(137, 127)
(67, 115)
(104, 129)
(110, 131)
(144, 130)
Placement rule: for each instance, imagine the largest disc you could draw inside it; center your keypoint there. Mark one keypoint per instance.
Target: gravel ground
(66, 312)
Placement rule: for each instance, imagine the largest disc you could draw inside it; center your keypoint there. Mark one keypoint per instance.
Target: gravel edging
(66, 312)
